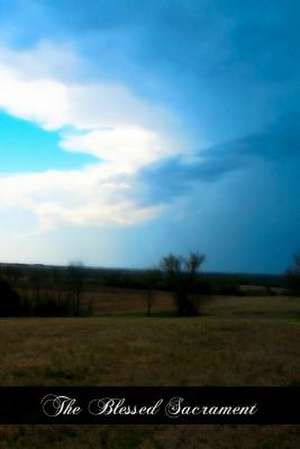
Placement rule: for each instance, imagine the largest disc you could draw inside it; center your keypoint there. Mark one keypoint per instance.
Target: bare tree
(181, 276)
(56, 278)
(76, 280)
(293, 275)
(171, 264)
(151, 278)
(193, 263)
(36, 282)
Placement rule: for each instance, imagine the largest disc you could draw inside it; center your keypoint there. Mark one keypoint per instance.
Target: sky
(130, 129)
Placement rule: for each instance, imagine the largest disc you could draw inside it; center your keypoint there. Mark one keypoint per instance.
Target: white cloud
(54, 104)
(107, 121)
(128, 147)
(42, 101)
(79, 197)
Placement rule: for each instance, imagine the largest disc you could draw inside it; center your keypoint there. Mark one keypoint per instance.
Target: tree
(76, 277)
(13, 274)
(151, 280)
(57, 280)
(10, 301)
(36, 280)
(181, 276)
(293, 275)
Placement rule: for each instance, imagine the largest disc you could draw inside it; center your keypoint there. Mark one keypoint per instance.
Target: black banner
(149, 405)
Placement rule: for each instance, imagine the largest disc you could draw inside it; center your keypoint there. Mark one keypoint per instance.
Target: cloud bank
(141, 169)
(174, 177)
(104, 120)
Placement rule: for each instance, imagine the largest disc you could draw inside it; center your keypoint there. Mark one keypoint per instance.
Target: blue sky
(25, 147)
(129, 129)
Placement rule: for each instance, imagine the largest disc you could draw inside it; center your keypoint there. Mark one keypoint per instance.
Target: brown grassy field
(237, 341)
(117, 301)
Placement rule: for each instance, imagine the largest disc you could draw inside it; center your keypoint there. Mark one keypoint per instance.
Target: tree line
(58, 291)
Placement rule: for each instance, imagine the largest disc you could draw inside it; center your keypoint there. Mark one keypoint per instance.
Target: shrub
(10, 301)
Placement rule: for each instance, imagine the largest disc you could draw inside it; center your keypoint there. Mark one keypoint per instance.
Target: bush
(10, 301)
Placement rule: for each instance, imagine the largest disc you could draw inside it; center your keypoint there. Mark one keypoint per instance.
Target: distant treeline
(13, 303)
(22, 274)
(43, 290)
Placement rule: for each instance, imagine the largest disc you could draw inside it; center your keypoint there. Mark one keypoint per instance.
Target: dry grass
(150, 437)
(118, 301)
(115, 301)
(239, 341)
(148, 351)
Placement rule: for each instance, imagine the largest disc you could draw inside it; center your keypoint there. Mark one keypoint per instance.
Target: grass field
(237, 341)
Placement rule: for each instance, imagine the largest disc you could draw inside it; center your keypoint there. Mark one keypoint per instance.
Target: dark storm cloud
(176, 176)
(205, 37)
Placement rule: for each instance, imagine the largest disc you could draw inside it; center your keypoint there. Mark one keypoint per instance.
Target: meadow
(235, 341)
